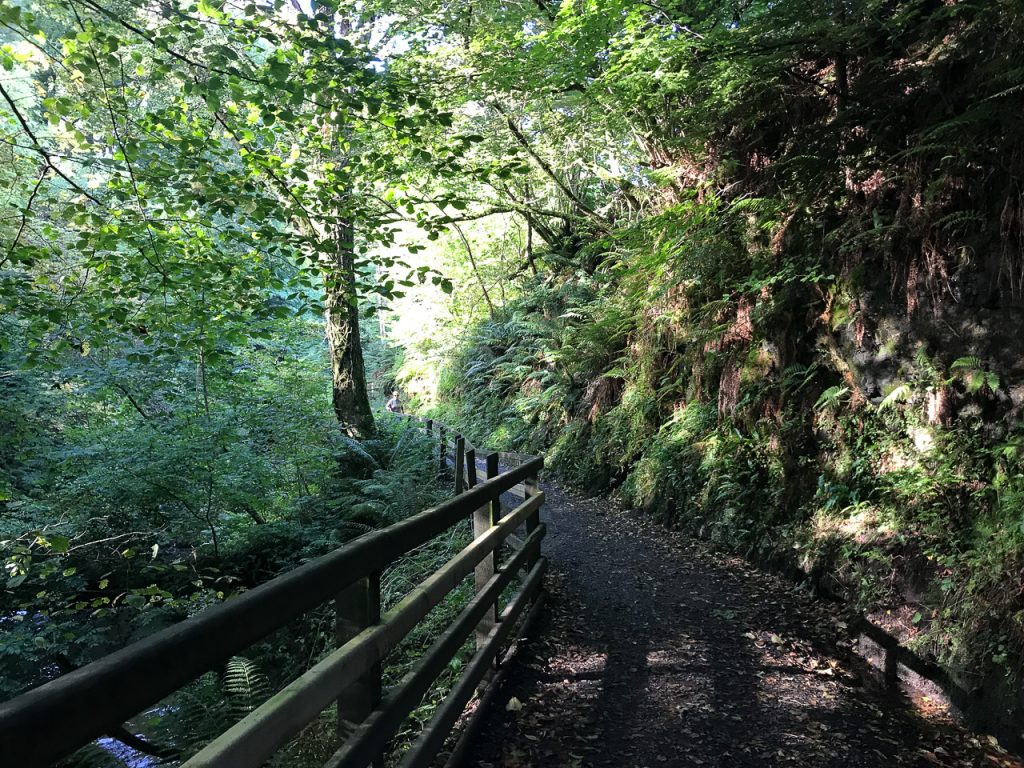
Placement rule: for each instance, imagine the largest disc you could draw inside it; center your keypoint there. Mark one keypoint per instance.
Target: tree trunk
(341, 320)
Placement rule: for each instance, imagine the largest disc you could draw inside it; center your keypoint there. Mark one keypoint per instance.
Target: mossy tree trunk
(341, 320)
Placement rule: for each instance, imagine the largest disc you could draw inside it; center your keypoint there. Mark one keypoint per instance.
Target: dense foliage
(766, 285)
(191, 194)
(755, 266)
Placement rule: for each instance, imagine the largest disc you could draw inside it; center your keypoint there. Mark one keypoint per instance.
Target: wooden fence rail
(55, 719)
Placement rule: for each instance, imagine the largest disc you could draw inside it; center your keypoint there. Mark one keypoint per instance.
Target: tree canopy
(754, 266)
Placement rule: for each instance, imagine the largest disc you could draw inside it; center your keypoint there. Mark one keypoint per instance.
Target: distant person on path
(394, 404)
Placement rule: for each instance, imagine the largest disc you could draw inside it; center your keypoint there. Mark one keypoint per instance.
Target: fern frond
(245, 685)
(831, 396)
(966, 363)
(898, 394)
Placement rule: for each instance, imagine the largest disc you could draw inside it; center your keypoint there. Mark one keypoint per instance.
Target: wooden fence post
(471, 468)
(356, 608)
(485, 518)
(892, 667)
(442, 458)
(531, 486)
(492, 472)
(460, 464)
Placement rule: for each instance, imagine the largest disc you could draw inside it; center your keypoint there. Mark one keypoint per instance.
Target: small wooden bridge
(52, 721)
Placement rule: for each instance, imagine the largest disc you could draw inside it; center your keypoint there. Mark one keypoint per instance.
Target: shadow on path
(656, 651)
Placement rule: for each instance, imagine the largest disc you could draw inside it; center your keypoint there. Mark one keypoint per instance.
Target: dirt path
(655, 651)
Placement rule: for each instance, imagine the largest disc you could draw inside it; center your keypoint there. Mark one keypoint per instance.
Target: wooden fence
(55, 719)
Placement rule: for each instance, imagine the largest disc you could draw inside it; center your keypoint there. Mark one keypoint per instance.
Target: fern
(245, 685)
(966, 363)
(95, 756)
(972, 371)
(831, 396)
(191, 717)
(352, 449)
(796, 377)
(898, 394)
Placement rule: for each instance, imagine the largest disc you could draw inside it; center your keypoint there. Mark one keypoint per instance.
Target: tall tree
(206, 161)
(341, 319)
(341, 299)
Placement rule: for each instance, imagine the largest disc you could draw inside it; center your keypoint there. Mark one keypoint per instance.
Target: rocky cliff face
(972, 317)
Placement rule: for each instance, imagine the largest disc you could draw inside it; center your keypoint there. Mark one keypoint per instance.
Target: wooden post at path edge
(356, 608)
(485, 518)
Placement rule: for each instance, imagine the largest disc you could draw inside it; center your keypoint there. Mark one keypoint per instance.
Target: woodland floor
(655, 650)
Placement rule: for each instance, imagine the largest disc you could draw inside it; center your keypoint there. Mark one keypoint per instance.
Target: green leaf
(898, 394)
(831, 396)
(16, 581)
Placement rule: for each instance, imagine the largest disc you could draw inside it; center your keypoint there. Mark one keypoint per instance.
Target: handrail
(51, 721)
(464, 453)
(370, 738)
(260, 733)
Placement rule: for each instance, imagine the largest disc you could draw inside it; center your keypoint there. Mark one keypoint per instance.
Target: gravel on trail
(655, 650)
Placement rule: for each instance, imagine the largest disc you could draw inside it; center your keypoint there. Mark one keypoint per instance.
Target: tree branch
(24, 215)
(548, 170)
(519, 208)
(232, 72)
(38, 147)
(476, 270)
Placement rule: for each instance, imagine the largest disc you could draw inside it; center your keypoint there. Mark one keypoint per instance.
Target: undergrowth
(371, 485)
(748, 433)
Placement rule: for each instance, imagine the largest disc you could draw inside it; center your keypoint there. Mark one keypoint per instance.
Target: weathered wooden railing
(55, 719)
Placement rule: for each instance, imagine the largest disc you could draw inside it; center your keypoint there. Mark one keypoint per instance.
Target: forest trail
(656, 651)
